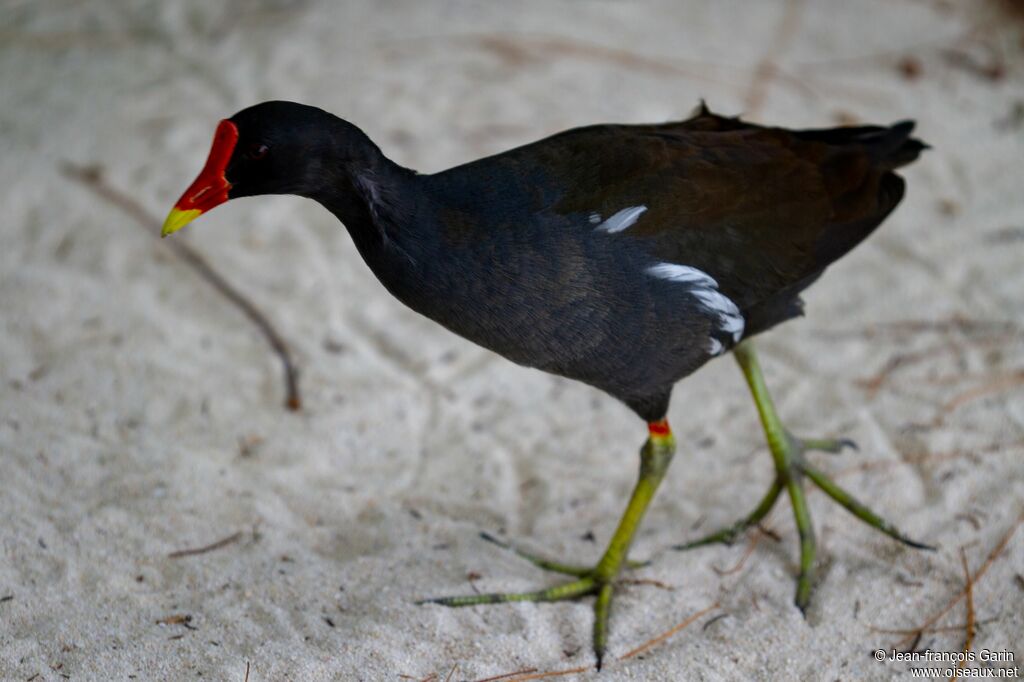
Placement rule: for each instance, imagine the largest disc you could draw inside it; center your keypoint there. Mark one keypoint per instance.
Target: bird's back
(602, 243)
(762, 210)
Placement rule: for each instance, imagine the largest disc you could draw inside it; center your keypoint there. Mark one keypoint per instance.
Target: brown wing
(762, 210)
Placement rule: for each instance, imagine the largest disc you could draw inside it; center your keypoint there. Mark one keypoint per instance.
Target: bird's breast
(533, 297)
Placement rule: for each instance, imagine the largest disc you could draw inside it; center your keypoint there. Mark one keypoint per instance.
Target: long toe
(859, 509)
(602, 611)
(830, 445)
(728, 535)
(723, 536)
(539, 561)
(571, 590)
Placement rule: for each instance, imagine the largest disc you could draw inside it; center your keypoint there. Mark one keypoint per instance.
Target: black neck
(381, 204)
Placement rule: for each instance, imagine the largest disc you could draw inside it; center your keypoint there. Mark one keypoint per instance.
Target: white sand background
(140, 413)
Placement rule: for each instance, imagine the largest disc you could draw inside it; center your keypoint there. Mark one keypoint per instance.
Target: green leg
(788, 453)
(655, 457)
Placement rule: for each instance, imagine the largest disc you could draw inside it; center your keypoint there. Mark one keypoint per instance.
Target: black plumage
(622, 256)
(505, 251)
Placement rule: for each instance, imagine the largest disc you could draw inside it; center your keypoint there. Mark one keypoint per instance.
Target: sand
(141, 413)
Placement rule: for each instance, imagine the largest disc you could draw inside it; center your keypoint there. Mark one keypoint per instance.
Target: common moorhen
(623, 256)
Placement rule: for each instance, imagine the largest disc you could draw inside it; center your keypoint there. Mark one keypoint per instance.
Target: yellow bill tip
(178, 219)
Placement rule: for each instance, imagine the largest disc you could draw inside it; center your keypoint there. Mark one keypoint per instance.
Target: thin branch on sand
(970, 624)
(1003, 383)
(524, 671)
(767, 69)
(668, 633)
(913, 635)
(91, 177)
(206, 548)
(553, 673)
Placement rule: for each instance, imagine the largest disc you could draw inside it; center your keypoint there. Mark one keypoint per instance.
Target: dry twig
(767, 69)
(524, 671)
(913, 635)
(930, 458)
(935, 628)
(1003, 383)
(553, 673)
(668, 633)
(182, 619)
(751, 546)
(647, 581)
(206, 548)
(970, 624)
(91, 177)
(517, 50)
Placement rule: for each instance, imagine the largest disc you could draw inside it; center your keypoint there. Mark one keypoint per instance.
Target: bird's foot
(599, 580)
(588, 581)
(791, 468)
(797, 446)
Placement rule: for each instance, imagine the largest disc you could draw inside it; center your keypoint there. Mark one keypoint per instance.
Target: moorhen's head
(271, 148)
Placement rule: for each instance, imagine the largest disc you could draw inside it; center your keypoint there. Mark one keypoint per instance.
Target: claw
(602, 609)
(484, 535)
(831, 445)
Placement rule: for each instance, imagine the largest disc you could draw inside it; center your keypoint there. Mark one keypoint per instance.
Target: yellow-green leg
(790, 467)
(655, 456)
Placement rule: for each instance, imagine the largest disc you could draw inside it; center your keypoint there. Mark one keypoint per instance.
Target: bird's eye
(257, 151)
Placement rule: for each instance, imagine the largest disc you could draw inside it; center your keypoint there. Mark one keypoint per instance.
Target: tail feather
(897, 148)
(890, 147)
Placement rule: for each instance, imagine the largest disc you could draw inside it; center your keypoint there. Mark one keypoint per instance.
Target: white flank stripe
(730, 318)
(621, 220)
(705, 289)
(684, 274)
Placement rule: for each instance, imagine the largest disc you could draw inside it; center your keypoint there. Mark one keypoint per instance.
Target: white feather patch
(705, 289)
(621, 220)
(715, 346)
(684, 274)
